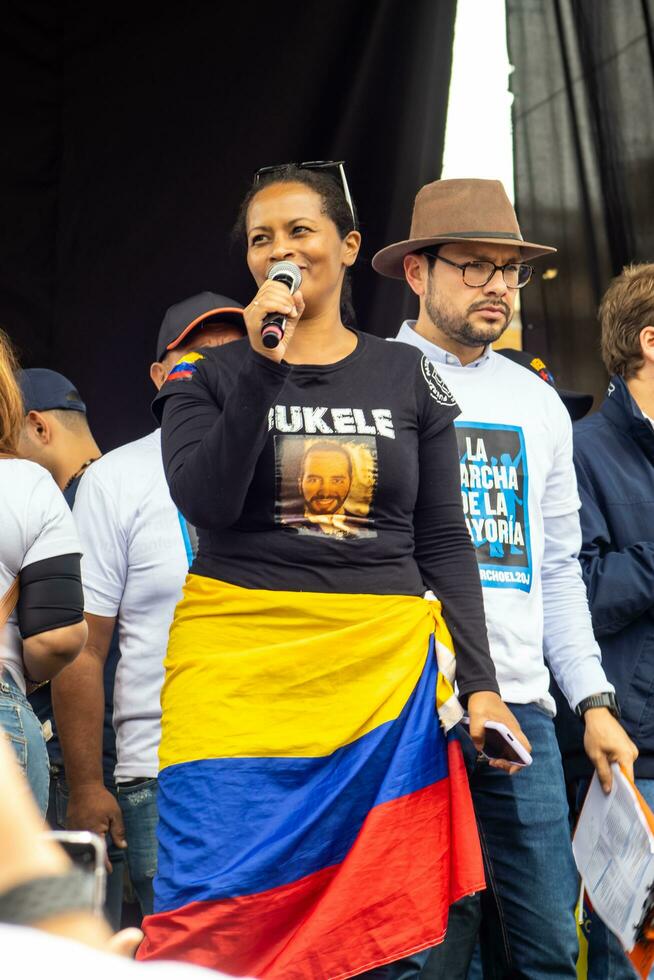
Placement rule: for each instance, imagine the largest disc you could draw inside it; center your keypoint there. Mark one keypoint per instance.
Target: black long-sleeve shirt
(337, 478)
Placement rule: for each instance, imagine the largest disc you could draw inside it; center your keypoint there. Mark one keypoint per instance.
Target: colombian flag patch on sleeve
(186, 367)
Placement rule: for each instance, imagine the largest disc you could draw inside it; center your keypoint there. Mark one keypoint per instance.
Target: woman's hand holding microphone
(273, 297)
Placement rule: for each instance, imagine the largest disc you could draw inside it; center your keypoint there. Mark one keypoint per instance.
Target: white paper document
(614, 850)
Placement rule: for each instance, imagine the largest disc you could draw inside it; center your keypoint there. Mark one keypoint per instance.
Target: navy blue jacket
(614, 459)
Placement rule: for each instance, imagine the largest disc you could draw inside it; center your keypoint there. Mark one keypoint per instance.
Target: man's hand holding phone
(484, 707)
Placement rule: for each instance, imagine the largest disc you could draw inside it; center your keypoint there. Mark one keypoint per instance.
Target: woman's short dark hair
(334, 205)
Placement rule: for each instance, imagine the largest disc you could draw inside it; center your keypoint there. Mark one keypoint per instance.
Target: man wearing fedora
(137, 551)
(465, 259)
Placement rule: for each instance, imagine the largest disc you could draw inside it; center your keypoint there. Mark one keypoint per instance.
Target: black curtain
(129, 137)
(583, 121)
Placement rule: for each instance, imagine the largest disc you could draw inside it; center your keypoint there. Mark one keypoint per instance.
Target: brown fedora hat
(466, 210)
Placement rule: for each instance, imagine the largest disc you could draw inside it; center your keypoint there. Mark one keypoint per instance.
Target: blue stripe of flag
(231, 827)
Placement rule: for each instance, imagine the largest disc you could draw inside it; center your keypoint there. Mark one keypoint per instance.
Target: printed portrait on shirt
(326, 484)
(495, 494)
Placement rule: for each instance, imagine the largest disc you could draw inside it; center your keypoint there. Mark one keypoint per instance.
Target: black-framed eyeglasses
(337, 166)
(479, 273)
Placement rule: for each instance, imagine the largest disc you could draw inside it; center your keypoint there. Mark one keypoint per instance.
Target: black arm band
(50, 595)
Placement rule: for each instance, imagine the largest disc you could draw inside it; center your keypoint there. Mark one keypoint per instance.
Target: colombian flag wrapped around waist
(314, 819)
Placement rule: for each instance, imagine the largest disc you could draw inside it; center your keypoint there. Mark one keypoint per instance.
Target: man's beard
(461, 329)
(335, 505)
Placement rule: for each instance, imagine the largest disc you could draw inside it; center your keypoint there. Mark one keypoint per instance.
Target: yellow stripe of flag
(316, 672)
(190, 358)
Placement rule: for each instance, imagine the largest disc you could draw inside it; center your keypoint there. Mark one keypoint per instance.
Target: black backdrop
(128, 136)
(584, 154)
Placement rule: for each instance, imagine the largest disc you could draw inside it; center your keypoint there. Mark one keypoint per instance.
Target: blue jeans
(26, 737)
(138, 802)
(56, 816)
(408, 968)
(606, 957)
(528, 926)
(451, 960)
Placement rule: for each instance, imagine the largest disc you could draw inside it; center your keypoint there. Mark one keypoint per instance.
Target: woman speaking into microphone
(315, 820)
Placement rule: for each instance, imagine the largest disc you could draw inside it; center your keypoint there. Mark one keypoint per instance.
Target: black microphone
(273, 327)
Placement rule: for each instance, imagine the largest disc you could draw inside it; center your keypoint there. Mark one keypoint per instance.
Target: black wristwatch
(606, 699)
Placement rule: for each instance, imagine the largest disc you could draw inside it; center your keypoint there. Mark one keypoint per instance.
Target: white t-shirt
(520, 499)
(133, 567)
(33, 953)
(35, 523)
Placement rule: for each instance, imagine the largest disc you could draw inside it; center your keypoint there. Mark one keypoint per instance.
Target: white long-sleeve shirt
(519, 493)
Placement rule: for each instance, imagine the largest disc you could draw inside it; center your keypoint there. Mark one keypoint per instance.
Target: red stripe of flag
(388, 898)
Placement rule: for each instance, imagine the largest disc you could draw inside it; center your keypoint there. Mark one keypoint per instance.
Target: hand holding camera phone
(88, 852)
(501, 744)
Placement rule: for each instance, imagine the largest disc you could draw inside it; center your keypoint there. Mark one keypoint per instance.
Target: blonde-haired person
(614, 459)
(45, 629)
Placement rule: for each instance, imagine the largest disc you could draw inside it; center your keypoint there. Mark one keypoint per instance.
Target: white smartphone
(88, 852)
(501, 743)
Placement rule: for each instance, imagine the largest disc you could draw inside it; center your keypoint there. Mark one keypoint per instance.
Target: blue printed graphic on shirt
(190, 537)
(495, 493)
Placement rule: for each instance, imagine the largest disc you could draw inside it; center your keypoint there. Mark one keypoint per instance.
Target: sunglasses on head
(336, 166)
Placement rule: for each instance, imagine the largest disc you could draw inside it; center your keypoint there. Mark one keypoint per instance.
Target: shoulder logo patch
(542, 370)
(437, 387)
(185, 367)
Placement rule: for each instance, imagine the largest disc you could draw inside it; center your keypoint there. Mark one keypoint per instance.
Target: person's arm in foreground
(26, 853)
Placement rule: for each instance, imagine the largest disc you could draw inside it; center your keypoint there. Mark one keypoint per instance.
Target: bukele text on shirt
(328, 421)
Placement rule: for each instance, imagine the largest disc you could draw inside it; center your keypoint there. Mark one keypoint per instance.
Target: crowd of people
(241, 648)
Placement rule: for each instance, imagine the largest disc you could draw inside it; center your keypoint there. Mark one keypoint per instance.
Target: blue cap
(44, 390)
